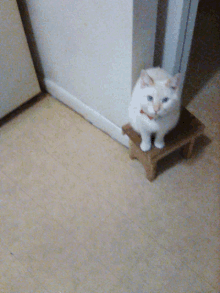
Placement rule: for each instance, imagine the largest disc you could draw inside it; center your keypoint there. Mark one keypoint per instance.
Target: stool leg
(149, 166)
(188, 148)
(131, 150)
(151, 169)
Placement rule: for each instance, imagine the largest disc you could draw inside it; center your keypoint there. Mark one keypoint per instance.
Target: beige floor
(78, 216)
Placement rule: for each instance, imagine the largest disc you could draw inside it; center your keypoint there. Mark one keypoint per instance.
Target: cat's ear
(146, 80)
(174, 81)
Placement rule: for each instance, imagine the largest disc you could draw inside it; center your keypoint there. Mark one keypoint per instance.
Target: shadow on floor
(175, 158)
(19, 110)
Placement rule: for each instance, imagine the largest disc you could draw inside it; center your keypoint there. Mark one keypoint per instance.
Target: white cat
(155, 106)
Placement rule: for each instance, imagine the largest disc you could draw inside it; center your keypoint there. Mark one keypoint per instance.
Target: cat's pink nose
(156, 108)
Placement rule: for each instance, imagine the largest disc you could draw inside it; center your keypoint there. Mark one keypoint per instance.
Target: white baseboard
(88, 113)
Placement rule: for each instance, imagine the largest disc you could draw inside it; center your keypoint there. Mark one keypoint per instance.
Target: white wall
(144, 30)
(88, 53)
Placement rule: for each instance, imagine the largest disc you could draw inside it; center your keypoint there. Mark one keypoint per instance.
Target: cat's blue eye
(164, 100)
(149, 98)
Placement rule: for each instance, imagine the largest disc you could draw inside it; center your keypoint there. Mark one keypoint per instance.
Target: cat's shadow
(175, 157)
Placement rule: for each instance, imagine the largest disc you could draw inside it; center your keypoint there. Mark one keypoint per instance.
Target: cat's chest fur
(163, 124)
(152, 125)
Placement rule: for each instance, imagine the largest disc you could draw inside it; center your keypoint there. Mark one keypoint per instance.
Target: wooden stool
(182, 136)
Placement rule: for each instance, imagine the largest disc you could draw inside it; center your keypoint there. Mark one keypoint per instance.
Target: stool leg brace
(149, 165)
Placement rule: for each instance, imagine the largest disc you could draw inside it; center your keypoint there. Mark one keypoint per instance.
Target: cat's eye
(149, 98)
(164, 100)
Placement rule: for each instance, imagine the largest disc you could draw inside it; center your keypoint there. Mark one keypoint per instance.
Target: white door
(18, 80)
(181, 16)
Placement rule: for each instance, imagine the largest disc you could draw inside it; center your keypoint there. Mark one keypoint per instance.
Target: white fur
(157, 83)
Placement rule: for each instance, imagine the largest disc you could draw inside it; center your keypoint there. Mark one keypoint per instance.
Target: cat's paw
(159, 144)
(145, 146)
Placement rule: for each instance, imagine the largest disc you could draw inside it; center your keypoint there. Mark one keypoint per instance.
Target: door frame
(180, 23)
(188, 36)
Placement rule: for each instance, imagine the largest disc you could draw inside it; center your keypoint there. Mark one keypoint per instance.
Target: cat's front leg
(159, 140)
(146, 141)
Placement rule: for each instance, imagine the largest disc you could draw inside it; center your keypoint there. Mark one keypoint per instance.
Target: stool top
(188, 128)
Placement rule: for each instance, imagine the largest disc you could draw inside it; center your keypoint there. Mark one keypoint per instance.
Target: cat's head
(158, 97)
